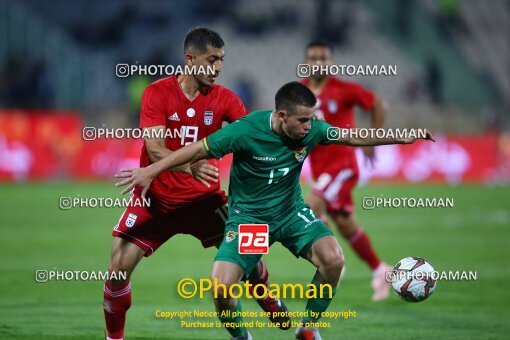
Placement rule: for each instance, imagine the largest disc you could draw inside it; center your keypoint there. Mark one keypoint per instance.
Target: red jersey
(164, 103)
(336, 104)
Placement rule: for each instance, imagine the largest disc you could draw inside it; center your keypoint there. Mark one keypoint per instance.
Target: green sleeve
(226, 140)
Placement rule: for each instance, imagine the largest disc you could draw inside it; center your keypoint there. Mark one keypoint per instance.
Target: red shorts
(335, 187)
(149, 229)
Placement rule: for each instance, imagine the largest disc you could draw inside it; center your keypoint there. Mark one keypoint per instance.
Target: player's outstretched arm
(380, 141)
(144, 176)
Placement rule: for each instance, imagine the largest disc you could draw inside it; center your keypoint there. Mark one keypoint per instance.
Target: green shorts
(297, 232)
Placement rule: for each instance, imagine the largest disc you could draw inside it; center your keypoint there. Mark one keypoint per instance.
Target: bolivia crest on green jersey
(300, 154)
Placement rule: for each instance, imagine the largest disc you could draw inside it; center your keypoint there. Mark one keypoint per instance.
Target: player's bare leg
(117, 293)
(350, 229)
(327, 256)
(228, 308)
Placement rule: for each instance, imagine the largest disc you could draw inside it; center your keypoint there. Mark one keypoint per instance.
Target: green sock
(234, 328)
(318, 304)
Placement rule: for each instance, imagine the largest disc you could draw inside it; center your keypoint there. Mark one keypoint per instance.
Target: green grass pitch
(35, 234)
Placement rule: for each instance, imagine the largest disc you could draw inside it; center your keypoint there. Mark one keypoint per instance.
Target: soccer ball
(413, 279)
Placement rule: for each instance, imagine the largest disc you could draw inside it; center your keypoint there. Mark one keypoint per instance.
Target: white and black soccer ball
(413, 279)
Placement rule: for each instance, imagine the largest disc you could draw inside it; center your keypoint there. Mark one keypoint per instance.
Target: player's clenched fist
(135, 177)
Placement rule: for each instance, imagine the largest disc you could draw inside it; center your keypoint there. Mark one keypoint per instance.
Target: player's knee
(221, 285)
(335, 259)
(120, 270)
(221, 292)
(332, 263)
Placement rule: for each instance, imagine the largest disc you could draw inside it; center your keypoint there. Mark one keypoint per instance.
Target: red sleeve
(153, 107)
(234, 109)
(362, 97)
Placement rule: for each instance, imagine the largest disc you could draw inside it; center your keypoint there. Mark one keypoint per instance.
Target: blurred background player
(335, 169)
(185, 201)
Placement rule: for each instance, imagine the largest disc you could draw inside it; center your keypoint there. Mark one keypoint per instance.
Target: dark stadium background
(57, 75)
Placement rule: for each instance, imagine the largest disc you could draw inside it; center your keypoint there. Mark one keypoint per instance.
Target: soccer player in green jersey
(269, 148)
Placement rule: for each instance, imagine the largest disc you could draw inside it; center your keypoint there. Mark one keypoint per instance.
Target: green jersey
(264, 178)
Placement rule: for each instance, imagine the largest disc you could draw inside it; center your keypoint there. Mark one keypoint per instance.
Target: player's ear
(188, 58)
(281, 113)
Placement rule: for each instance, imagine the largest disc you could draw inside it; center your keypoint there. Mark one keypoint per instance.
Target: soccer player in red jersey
(187, 107)
(334, 168)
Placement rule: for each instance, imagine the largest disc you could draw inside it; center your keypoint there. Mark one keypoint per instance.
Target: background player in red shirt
(189, 201)
(334, 168)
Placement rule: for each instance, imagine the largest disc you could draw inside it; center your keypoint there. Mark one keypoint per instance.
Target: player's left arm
(143, 176)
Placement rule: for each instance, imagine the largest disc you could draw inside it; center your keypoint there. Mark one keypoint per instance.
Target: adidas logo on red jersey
(175, 117)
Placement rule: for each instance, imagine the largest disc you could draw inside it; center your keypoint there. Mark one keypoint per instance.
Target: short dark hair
(292, 94)
(319, 43)
(199, 38)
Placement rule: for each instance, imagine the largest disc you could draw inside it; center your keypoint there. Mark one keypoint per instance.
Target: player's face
(297, 124)
(319, 55)
(213, 57)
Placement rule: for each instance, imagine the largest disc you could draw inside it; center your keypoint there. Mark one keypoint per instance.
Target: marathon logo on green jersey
(300, 154)
(264, 158)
